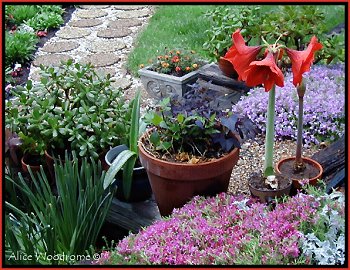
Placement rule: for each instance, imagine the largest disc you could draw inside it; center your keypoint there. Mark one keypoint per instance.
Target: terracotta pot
(290, 161)
(102, 158)
(174, 184)
(33, 161)
(266, 195)
(140, 187)
(227, 68)
(50, 161)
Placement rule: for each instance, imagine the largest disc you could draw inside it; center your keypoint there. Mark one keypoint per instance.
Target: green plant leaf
(117, 164)
(134, 129)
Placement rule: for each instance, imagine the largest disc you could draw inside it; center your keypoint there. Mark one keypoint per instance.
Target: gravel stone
(72, 33)
(251, 159)
(122, 83)
(93, 6)
(101, 59)
(91, 13)
(85, 23)
(60, 46)
(114, 33)
(103, 71)
(51, 60)
(100, 46)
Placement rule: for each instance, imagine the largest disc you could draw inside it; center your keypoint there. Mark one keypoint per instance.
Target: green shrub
(19, 47)
(21, 13)
(47, 18)
(66, 222)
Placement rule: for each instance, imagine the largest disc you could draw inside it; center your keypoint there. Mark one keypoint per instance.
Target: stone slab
(85, 23)
(60, 46)
(128, 7)
(103, 71)
(101, 59)
(93, 6)
(122, 83)
(51, 59)
(124, 23)
(126, 14)
(100, 46)
(91, 13)
(72, 32)
(114, 33)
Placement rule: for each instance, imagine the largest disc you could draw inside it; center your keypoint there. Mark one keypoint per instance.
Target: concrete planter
(160, 85)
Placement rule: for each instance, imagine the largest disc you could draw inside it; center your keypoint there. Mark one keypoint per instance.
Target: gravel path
(101, 34)
(252, 160)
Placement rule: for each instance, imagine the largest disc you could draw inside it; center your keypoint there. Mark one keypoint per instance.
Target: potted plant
(72, 108)
(170, 73)
(267, 73)
(189, 149)
(132, 182)
(301, 168)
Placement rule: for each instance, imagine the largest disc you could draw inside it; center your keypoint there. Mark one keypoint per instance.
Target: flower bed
(305, 229)
(324, 101)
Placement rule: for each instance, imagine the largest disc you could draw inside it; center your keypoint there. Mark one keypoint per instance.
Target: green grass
(184, 26)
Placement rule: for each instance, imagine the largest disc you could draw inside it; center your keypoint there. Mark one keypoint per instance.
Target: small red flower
(41, 33)
(264, 72)
(177, 69)
(302, 60)
(175, 59)
(241, 55)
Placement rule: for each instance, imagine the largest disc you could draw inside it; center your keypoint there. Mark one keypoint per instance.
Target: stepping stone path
(102, 35)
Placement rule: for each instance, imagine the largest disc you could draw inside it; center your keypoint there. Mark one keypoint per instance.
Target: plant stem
(298, 158)
(270, 130)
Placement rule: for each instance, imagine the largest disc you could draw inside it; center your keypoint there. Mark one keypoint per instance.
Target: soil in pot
(258, 188)
(313, 171)
(33, 161)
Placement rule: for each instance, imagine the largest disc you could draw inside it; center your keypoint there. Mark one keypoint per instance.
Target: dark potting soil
(33, 160)
(257, 180)
(287, 169)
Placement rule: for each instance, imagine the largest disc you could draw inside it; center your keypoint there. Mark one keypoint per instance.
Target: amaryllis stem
(298, 159)
(270, 130)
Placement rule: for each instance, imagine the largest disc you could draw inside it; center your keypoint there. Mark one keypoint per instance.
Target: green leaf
(154, 138)
(117, 164)
(134, 129)
(180, 118)
(127, 176)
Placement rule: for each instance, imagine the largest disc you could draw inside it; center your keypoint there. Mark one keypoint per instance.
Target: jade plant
(256, 69)
(71, 108)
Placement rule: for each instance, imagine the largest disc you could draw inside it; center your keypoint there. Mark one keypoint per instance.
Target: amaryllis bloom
(241, 55)
(264, 72)
(302, 60)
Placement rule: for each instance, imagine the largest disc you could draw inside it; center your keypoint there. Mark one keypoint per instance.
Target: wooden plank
(133, 216)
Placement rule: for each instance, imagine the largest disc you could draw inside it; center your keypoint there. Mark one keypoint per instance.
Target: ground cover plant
(324, 106)
(226, 229)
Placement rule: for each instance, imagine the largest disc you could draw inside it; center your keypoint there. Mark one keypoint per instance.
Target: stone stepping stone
(124, 23)
(91, 13)
(133, 14)
(100, 59)
(114, 33)
(60, 46)
(101, 46)
(51, 60)
(93, 6)
(103, 71)
(128, 7)
(122, 83)
(72, 32)
(85, 23)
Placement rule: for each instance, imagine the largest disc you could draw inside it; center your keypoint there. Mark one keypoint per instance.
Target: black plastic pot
(140, 187)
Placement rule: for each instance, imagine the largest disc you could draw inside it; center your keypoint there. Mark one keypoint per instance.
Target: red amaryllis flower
(241, 55)
(264, 72)
(302, 60)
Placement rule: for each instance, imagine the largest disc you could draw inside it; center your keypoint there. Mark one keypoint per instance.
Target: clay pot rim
(272, 190)
(24, 163)
(306, 159)
(182, 164)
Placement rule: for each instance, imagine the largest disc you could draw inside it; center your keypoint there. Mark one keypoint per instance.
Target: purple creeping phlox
(225, 229)
(324, 106)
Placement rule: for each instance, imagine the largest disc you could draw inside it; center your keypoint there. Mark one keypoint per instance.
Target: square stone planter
(160, 85)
